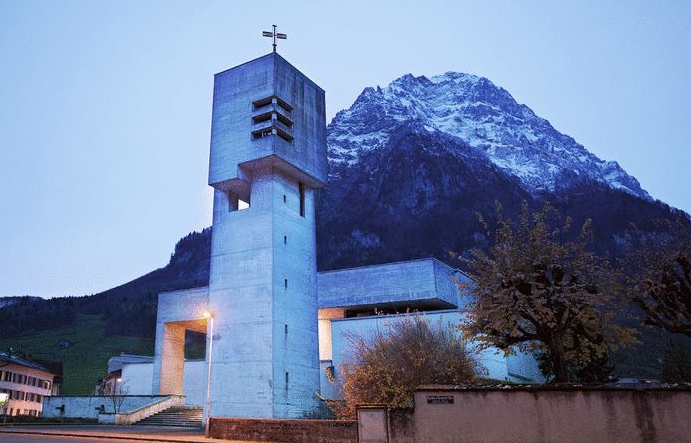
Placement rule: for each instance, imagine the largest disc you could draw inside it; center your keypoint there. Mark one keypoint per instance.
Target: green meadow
(84, 349)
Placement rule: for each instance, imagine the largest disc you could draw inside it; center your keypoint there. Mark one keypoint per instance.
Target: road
(33, 438)
(102, 434)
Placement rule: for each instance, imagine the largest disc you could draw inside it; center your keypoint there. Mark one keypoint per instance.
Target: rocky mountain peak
(484, 118)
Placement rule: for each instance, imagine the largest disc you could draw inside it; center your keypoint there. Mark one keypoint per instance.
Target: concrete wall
(410, 281)
(195, 383)
(289, 431)
(88, 407)
(266, 321)
(138, 378)
(546, 415)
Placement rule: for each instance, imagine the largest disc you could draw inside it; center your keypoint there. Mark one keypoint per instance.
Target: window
(269, 116)
(273, 130)
(261, 118)
(285, 120)
(235, 203)
(263, 102)
(301, 188)
(262, 133)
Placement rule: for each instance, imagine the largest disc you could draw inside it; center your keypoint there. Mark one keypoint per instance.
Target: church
(276, 328)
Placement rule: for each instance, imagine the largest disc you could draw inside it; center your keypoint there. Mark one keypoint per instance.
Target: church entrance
(181, 339)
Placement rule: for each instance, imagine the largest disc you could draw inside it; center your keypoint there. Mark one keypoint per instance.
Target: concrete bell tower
(268, 155)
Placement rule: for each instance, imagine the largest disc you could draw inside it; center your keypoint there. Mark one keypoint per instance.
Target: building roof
(116, 363)
(9, 357)
(424, 283)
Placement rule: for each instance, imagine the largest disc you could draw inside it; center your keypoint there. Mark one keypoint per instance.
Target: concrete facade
(268, 155)
(412, 284)
(266, 113)
(351, 301)
(138, 377)
(268, 148)
(424, 283)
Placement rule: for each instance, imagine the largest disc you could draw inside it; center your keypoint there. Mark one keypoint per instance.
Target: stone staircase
(179, 416)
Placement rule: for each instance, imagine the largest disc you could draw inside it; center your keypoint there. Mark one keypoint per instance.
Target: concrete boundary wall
(545, 415)
(286, 431)
(89, 407)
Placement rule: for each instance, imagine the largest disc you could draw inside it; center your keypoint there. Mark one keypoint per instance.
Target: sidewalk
(129, 433)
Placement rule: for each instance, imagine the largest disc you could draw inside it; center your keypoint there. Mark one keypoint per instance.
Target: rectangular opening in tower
(301, 188)
(235, 203)
(272, 130)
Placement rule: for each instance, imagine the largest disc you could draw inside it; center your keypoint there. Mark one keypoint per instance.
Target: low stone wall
(287, 431)
(545, 415)
(90, 407)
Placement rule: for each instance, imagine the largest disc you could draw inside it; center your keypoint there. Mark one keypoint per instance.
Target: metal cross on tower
(274, 35)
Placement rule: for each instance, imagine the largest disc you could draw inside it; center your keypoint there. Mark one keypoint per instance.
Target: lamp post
(209, 316)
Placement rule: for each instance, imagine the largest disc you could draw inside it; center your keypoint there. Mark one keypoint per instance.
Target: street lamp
(209, 316)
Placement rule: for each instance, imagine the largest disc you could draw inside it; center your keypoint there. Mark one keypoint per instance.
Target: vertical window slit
(301, 188)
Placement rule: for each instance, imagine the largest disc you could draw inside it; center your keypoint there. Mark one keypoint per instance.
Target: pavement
(128, 433)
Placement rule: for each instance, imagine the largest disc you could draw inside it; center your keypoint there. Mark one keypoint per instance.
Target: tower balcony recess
(272, 103)
(268, 131)
(278, 123)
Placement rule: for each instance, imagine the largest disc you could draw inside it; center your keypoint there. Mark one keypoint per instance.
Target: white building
(357, 300)
(25, 384)
(277, 324)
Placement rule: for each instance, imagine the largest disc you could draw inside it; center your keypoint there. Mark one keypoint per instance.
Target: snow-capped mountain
(485, 118)
(413, 163)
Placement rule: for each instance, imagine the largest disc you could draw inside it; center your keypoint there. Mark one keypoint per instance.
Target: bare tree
(386, 367)
(116, 392)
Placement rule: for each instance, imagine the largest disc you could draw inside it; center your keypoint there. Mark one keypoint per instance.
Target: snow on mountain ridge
(482, 116)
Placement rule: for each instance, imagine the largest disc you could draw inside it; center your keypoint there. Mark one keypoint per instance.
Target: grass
(26, 420)
(86, 359)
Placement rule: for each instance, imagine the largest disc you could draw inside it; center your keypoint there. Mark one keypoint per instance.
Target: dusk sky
(105, 106)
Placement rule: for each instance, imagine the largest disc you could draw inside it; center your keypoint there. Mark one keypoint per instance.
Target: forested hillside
(127, 310)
